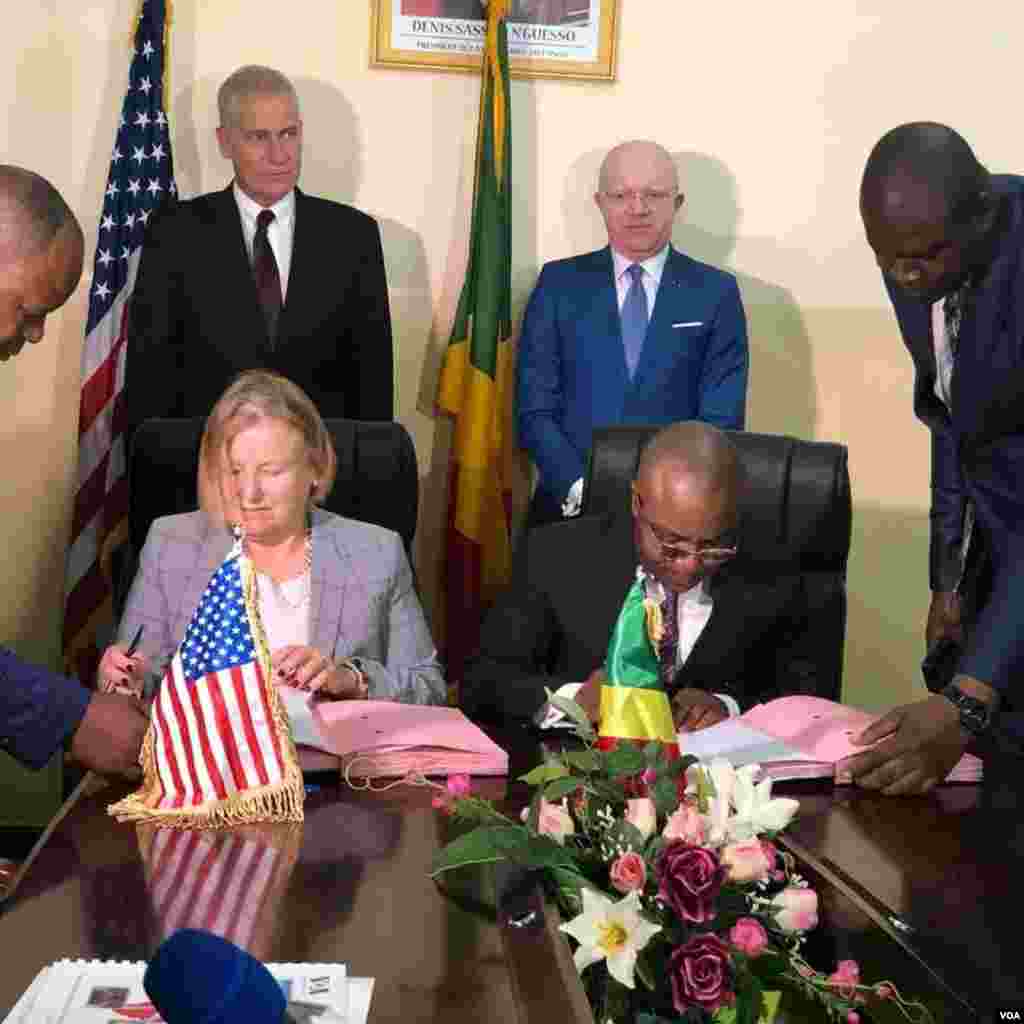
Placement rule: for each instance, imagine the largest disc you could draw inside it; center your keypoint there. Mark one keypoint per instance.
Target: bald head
(638, 196)
(684, 496)
(40, 256)
(923, 170)
(929, 210)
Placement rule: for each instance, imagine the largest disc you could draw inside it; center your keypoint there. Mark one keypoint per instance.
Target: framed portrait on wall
(546, 38)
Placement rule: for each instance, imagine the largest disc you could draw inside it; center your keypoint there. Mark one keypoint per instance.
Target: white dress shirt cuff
(731, 704)
(573, 500)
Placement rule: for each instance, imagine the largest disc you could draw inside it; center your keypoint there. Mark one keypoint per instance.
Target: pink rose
(701, 974)
(641, 813)
(748, 936)
(797, 909)
(554, 821)
(745, 861)
(685, 823)
(628, 873)
(885, 991)
(845, 978)
(689, 880)
(459, 785)
(853, 1017)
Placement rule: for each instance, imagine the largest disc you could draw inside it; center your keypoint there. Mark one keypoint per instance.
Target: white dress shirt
(280, 233)
(943, 354)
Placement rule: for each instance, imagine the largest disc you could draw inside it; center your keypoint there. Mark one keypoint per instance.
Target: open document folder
(796, 738)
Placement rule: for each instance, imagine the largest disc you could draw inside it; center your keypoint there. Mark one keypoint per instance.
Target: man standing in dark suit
(633, 333)
(740, 635)
(260, 275)
(949, 238)
(40, 265)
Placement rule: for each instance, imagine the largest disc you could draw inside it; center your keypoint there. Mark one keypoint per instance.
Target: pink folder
(377, 738)
(822, 729)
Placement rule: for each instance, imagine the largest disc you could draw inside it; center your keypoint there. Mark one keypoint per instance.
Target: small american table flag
(219, 750)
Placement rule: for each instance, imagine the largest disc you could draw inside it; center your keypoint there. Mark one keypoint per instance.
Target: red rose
(701, 974)
(689, 880)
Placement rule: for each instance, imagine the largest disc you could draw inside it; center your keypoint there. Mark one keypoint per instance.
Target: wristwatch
(975, 715)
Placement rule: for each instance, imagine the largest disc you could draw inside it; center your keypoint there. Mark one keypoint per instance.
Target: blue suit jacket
(979, 450)
(571, 371)
(38, 710)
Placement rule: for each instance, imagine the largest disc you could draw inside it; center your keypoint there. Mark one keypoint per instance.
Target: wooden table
(921, 891)
(351, 884)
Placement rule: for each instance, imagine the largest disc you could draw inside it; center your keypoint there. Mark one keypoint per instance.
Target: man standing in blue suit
(633, 333)
(949, 238)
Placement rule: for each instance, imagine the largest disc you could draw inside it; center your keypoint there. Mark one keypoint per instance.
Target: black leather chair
(377, 481)
(795, 515)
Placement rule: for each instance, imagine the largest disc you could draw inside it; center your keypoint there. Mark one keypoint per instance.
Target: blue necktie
(634, 318)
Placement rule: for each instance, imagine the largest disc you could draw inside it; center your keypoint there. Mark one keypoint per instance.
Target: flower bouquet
(679, 903)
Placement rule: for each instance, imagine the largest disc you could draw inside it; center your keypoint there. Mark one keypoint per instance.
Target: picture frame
(574, 39)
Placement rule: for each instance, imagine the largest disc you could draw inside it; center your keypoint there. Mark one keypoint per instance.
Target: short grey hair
(251, 80)
(32, 211)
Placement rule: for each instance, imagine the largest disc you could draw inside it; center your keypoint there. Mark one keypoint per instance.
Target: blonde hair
(253, 396)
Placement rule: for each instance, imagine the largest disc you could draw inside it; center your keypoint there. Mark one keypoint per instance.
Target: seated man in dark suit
(40, 264)
(260, 275)
(741, 637)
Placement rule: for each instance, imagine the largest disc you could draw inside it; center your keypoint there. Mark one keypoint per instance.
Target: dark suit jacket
(571, 371)
(979, 450)
(553, 624)
(195, 319)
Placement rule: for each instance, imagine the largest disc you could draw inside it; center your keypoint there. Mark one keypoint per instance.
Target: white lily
(722, 776)
(610, 931)
(757, 810)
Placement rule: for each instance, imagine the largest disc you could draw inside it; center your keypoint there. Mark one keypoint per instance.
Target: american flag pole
(141, 177)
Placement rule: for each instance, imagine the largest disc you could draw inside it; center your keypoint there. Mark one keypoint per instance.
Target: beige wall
(770, 112)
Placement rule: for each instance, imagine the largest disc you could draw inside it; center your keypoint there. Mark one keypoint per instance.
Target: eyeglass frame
(649, 197)
(707, 555)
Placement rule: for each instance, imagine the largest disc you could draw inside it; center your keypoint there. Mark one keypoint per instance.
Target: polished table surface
(922, 891)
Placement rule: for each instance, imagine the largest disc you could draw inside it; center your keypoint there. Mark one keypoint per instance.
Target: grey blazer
(362, 601)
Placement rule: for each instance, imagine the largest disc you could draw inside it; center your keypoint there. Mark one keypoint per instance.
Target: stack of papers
(108, 992)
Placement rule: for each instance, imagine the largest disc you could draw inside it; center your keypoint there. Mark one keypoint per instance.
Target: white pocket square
(689, 323)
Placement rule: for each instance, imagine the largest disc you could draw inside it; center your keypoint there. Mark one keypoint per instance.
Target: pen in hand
(135, 640)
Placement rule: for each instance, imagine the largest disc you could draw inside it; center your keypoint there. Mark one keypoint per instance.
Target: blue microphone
(196, 977)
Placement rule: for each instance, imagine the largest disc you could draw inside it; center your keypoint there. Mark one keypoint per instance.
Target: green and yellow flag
(634, 705)
(475, 385)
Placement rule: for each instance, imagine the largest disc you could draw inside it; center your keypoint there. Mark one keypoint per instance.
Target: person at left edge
(40, 265)
(196, 320)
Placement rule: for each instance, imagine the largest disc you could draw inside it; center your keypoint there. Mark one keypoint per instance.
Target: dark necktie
(634, 318)
(264, 269)
(669, 647)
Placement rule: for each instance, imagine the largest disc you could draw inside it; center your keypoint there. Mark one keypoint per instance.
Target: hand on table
(122, 673)
(694, 709)
(110, 735)
(306, 668)
(918, 745)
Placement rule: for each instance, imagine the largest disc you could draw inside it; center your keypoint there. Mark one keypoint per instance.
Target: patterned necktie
(634, 318)
(669, 646)
(268, 280)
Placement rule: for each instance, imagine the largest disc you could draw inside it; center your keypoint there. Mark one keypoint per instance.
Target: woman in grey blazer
(336, 596)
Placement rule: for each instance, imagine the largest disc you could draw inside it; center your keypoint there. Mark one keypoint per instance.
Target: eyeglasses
(712, 553)
(647, 196)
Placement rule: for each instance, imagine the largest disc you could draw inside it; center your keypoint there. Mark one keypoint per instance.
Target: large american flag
(219, 749)
(141, 177)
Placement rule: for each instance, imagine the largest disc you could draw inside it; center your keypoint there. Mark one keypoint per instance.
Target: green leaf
(624, 760)
(748, 998)
(484, 845)
(677, 768)
(583, 760)
(561, 787)
(550, 770)
(665, 796)
(643, 972)
(627, 835)
(569, 707)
